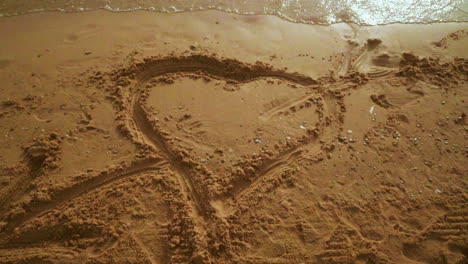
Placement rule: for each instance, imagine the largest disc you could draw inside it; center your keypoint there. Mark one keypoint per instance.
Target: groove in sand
(219, 69)
(83, 188)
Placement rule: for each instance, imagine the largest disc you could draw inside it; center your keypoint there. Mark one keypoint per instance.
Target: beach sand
(209, 137)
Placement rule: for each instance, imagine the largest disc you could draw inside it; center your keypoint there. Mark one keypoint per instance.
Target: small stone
(343, 139)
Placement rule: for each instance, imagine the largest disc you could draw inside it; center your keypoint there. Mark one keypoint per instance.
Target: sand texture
(216, 138)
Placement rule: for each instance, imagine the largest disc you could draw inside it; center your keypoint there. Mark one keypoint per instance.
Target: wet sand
(208, 137)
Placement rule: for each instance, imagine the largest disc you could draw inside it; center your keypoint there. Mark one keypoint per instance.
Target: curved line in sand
(225, 69)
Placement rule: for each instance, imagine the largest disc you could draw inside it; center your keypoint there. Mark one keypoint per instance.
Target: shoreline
(289, 20)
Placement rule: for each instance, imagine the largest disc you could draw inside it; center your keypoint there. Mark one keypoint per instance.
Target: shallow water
(364, 12)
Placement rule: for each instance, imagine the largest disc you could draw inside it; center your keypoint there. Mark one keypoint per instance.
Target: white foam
(369, 12)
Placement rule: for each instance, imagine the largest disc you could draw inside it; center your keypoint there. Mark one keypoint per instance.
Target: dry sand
(209, 137)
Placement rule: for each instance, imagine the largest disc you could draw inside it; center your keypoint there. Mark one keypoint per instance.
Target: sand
(208, 137)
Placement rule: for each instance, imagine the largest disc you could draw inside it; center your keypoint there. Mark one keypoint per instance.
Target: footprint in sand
(88, 31)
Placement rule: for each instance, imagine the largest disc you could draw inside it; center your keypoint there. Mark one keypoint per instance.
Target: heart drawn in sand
(231, 125)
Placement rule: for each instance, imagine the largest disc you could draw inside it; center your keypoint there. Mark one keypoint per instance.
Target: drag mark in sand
(85, 187)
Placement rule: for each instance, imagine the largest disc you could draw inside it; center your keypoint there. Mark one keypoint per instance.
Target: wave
(324, 12)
